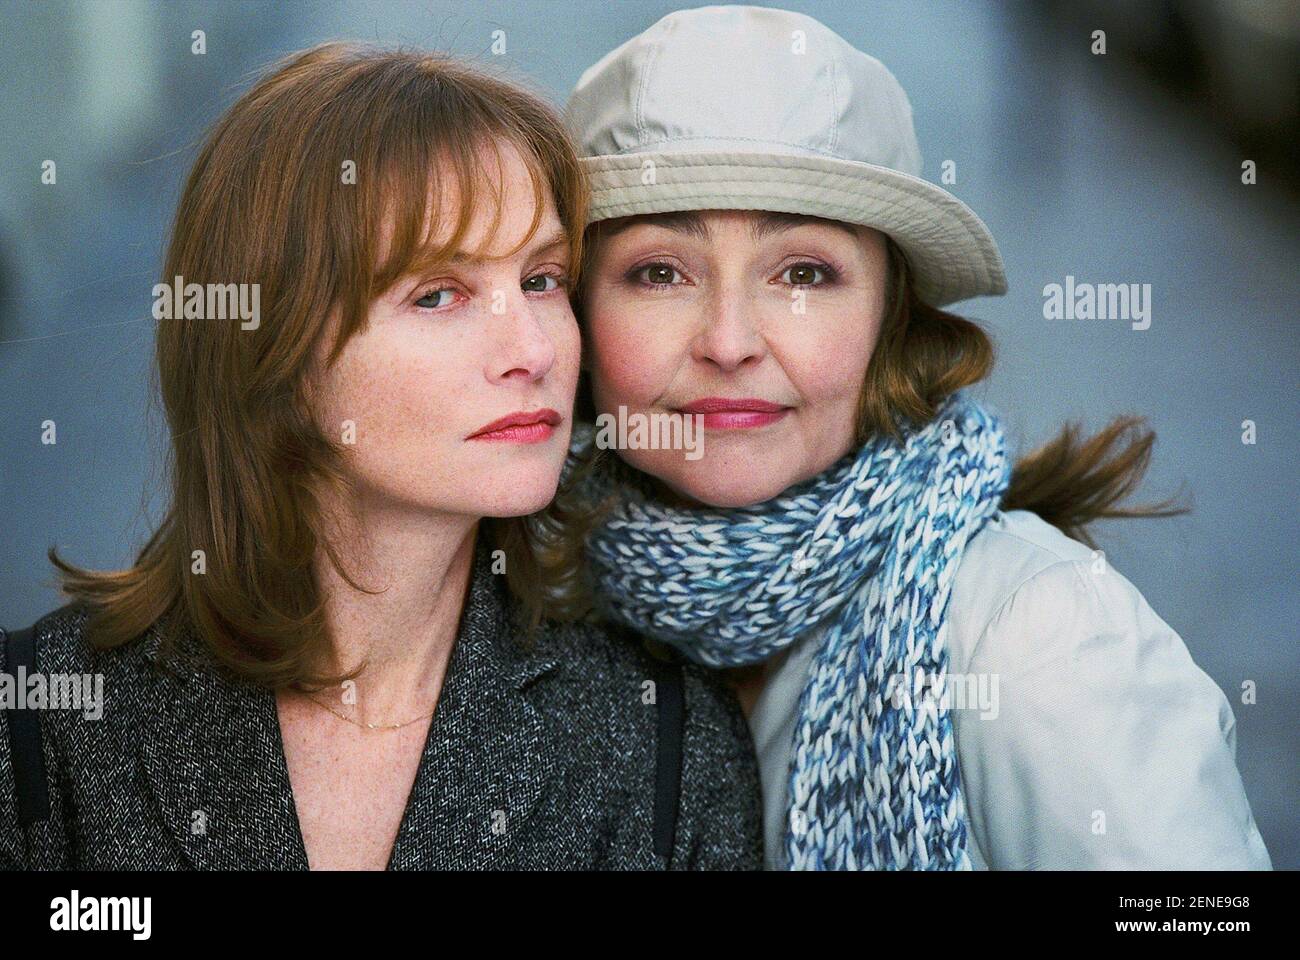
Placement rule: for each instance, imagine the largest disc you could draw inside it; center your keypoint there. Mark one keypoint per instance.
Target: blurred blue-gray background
(1117, 168)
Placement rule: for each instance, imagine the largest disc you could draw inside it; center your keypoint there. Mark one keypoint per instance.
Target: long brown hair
(923, 355)
(294, 190)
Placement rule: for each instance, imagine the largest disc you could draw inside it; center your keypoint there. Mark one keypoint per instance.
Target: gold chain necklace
(368, 726)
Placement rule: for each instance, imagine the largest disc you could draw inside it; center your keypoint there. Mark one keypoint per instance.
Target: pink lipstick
(735, 412)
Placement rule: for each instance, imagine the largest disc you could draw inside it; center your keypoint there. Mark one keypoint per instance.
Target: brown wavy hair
(268, 202)
(923, 355)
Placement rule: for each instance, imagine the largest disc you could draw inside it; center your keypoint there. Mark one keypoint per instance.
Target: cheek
(399, 393)
(628, 365)
(828, 362)
(365, 410)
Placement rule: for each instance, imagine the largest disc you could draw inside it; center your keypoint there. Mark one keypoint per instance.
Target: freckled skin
(724, 325)
(417, 382)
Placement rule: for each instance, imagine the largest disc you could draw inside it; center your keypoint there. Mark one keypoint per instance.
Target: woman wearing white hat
(936, 675)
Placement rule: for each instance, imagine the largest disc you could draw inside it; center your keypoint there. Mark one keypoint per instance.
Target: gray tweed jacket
(540, 756)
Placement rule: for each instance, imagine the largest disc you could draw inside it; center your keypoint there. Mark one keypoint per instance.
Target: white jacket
(1097, 743)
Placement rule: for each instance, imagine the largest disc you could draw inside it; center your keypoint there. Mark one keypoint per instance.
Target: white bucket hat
(750, 108)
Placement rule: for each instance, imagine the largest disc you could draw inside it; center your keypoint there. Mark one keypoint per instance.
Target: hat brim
(952, 253)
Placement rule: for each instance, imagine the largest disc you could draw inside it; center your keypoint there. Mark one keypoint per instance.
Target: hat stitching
(896, 108)
(857, 184)
(835, 109)
(640, 147)
(645, 82)
(780, 163)
(951, 208)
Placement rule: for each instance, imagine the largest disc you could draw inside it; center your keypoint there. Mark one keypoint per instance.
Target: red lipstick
(736, 412)
(524, 426)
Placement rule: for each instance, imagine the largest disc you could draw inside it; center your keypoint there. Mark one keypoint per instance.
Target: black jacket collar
(214, 760)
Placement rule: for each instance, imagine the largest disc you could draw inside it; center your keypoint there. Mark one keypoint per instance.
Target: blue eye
(435, 295)
(548, 282)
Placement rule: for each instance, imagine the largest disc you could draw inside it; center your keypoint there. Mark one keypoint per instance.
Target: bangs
(443, 163)
(417, 198)
(426, 140)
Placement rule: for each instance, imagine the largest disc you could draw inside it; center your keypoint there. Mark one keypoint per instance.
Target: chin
(732, 479)
(726, 488)
(517, 495)
(741, 496)
(505, 509)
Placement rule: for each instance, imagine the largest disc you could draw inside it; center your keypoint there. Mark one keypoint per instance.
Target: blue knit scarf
(868, 548)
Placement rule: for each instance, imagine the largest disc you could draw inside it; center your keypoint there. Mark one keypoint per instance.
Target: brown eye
(658, 274)
(803, 274)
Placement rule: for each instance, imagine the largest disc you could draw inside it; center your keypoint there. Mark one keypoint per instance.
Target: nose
(729, 337)
(523, 350)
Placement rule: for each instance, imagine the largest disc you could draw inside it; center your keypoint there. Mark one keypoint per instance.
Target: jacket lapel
(212, 756)
(488, 758)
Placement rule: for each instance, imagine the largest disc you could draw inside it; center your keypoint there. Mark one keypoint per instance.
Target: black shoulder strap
(27, 753)
(671, 700)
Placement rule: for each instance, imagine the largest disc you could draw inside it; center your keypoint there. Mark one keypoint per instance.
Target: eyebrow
(688, 222)
(771, 223)
(693, 224)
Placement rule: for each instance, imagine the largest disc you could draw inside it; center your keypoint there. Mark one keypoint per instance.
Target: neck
(413, 568)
